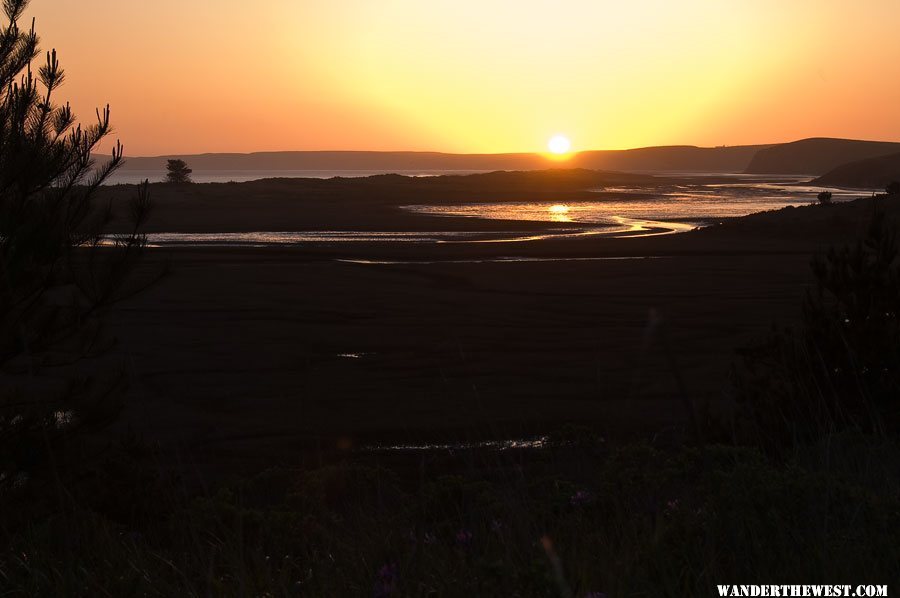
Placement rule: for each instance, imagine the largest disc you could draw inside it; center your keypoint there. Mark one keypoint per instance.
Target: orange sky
(191, 76)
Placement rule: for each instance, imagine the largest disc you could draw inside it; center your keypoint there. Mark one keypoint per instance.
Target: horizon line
(510, 153)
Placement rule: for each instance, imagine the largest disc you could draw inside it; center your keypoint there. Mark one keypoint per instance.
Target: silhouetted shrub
(840, 367)
(825, 198)
(58, 270)
(893, 188)
(178, 172)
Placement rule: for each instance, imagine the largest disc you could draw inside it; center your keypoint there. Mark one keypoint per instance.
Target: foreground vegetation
(573, 519)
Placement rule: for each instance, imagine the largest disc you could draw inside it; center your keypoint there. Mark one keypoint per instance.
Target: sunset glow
(485, 76)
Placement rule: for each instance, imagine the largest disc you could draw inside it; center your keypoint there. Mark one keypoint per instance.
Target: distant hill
(808, 156)
(346, 160)
(874, 173)
(671, 158)
(816, 156)
(681, 158)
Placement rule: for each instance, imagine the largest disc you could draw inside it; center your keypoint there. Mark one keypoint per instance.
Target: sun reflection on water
(559, 213)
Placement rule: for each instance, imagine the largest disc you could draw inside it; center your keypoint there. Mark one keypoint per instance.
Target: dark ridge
(816, 156)
(678, 158)
(874, 173)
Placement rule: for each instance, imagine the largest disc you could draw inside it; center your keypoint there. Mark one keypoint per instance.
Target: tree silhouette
(893, 188)
(178, 172)
(58, 271)
(825, 198)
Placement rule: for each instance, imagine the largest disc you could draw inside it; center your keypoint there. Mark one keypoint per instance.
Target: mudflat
(254, 353)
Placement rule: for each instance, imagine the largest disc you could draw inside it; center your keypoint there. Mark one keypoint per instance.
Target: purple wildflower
(672, 506)
(464, 538)
(386, 581)
(581, 498)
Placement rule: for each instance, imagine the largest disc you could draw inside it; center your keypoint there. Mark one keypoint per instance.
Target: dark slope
(874, 173)
(816, 156)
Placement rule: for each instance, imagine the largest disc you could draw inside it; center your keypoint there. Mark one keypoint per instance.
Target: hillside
(683, 158)
(874, 173)
(816, 156)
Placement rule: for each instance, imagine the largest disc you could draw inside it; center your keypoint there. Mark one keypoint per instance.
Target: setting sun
(559, 145)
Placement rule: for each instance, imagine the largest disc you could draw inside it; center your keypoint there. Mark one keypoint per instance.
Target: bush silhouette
(58, 269)
(825, 198)
(893, 188)
(840, 368)
(178, 172)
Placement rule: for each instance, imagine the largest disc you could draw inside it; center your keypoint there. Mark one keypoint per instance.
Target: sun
(559, 145)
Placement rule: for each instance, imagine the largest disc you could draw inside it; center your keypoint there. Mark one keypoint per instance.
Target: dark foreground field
(248, 351)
